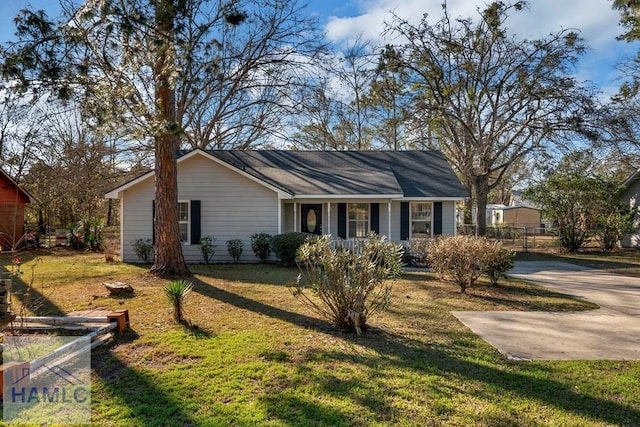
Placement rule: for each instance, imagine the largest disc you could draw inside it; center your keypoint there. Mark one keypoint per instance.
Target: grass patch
(254, 356)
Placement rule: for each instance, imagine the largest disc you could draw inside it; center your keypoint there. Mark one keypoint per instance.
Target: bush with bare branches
(349, 286)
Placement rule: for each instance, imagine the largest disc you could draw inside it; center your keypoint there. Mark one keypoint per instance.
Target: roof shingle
(408, 173)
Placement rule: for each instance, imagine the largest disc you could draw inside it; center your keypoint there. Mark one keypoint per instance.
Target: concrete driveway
(611, 332)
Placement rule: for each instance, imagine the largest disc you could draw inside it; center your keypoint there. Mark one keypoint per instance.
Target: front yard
(257, 357)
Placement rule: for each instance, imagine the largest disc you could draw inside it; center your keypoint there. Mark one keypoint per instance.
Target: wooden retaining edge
(14, 371)
(58, 320)
(120, 317)
(115, 320)
(72, 348)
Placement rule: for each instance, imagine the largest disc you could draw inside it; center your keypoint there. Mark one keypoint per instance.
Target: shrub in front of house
(496, 260)
(261, 245)
(463, 259)
(455, 259)
(143, 249)
(234, 247)
(347, 287)
(417, 250)
(285, 245)
(207, 248)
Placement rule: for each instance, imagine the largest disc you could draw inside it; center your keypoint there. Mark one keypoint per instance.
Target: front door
(311, 220)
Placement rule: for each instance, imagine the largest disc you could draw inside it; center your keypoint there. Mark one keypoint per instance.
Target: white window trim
(411, 219)
(188, 222)
(349, 221)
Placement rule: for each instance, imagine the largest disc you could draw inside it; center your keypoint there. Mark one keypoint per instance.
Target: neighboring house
(631, 194)
(12, 201)
(495, 214)
(513, 216)
(234, 194)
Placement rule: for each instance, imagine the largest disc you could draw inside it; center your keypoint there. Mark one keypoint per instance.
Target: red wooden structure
(12, 201)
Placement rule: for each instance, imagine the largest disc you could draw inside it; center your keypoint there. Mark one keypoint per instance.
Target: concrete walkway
(611, 332)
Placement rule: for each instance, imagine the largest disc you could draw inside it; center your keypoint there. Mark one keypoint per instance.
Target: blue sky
(346, 19)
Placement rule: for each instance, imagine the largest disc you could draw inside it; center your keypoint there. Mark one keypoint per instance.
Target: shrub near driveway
(463, 259)
(260, 358)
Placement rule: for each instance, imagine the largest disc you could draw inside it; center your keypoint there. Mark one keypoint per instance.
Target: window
(421, 220)
(358, 216)
(183, 221)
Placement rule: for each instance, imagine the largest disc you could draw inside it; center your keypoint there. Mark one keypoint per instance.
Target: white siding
(137, 213)
(287, 217)
(395, 222)
(232, 207)
(632, 196)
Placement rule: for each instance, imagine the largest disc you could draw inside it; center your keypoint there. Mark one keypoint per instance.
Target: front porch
(348, 219)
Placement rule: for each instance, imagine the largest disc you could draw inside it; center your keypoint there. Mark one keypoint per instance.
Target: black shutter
(153, 222)
(437, 218)
(375, 217)
(404, 220)
(342, 220)
(195, 222)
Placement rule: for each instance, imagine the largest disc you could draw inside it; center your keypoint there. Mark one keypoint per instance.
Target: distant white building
(513, 216)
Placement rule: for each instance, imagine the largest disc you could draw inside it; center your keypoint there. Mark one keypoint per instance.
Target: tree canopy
(582, 202)
(487, 98)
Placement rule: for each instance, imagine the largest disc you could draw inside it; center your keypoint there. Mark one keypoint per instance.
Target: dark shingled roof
(408, 173)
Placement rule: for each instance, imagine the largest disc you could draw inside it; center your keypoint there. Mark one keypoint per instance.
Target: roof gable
(115, 193)
(26, 197)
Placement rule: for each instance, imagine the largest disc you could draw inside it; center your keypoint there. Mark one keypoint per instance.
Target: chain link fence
(518, 238)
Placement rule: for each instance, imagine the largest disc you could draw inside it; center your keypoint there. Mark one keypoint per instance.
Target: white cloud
(595, 18)
(596, 21)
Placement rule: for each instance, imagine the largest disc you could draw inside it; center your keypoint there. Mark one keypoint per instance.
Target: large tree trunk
(481, 195)
(168, 257)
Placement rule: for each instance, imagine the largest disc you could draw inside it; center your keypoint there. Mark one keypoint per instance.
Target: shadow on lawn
(406, 353)
(493, 380)
(280, 402)
(147, 404)
(30, 296)
(244, 303)
(527, 298)
(268, 274)
(296, 411)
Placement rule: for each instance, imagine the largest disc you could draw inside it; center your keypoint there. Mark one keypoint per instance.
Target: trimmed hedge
(286, 245)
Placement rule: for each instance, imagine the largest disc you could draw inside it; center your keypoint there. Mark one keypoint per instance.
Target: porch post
(295, 216)
(329, 218)
(455, 218)
(389, 220)
(279, 215)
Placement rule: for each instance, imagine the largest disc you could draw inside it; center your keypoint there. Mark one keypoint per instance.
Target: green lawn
(257, 357)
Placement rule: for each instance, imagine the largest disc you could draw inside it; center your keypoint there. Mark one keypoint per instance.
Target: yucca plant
(177, 292)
